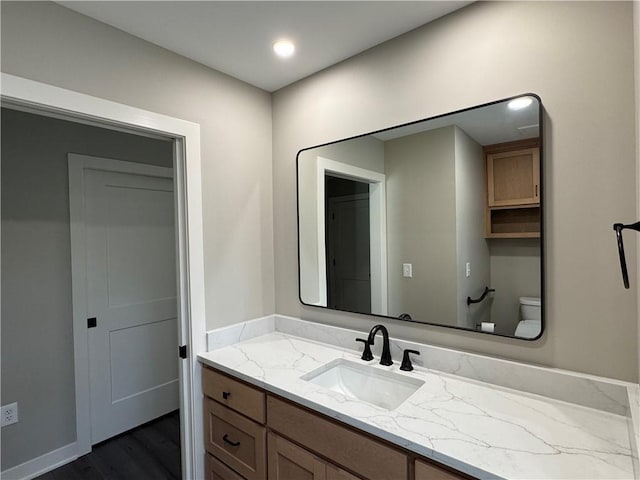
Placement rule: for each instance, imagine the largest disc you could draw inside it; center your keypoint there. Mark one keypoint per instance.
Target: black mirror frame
(542, 195)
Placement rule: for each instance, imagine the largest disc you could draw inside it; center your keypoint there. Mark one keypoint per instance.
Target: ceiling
(487, 125)
(235, 37)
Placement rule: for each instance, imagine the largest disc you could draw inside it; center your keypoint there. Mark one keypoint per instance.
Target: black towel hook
(618, 227)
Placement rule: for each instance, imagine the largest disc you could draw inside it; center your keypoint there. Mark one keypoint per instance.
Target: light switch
(407, 270)
(468, 269)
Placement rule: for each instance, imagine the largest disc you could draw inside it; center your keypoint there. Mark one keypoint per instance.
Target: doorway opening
(375, 193)
(183, 137)
(348, 244)
(110, 224)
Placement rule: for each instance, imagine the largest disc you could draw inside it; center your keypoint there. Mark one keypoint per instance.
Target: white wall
(421, 225)
(37, 366)
(46, 42)
(578, 56)
(471, 246)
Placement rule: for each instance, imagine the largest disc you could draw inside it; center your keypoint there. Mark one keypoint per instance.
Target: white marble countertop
(482, 429)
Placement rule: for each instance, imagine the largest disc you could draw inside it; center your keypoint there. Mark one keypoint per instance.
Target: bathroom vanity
(255, 432)
(268, 416)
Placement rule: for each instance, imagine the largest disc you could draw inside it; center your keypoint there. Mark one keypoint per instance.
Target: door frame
(377, 226)
(77, 166)
(36, 97)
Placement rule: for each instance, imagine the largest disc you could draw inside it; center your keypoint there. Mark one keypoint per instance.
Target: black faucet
(406, 361)
(366, 354)
(385, 359)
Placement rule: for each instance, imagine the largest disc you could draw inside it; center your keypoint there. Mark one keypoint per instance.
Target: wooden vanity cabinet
(513, 189)
(216, 470)
(428, 471)
(235, 434)
(288, 461)
(342, 445)
(251, 435)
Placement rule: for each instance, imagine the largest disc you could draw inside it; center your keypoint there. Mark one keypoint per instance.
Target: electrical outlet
(9, 414)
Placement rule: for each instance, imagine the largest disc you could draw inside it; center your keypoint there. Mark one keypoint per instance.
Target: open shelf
(522, 222)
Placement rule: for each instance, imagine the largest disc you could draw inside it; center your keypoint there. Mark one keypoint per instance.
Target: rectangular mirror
(438, 221)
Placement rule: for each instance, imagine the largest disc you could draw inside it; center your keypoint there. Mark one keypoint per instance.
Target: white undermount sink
(364, 382)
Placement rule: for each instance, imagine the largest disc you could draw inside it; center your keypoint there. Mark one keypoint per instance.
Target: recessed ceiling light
(519, 103)
(284, 48)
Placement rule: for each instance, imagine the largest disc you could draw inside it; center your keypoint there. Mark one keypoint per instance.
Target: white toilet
(530, 322)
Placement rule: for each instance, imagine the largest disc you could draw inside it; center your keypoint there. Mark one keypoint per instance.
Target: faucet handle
(366, 354)
(406, 361)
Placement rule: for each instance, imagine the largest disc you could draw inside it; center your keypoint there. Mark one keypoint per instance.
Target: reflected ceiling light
(284, 48)
(519, 103)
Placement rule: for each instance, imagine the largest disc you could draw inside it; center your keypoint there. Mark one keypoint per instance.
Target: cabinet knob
(226, 395)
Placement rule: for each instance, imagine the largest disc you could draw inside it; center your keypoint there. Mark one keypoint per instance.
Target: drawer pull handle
(226, 440)
(226, 395)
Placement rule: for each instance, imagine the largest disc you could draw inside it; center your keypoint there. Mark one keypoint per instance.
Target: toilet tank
(530, 308)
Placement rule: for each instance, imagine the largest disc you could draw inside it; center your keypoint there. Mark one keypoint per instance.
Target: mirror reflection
(437, 221)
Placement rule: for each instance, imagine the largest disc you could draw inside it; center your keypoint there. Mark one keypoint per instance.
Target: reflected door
(348, 249)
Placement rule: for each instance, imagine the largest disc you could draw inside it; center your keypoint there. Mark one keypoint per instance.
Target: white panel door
(131, 291)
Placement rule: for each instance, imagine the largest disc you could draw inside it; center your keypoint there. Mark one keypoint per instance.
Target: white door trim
(377, 226)
(77, 165)
(47, 100)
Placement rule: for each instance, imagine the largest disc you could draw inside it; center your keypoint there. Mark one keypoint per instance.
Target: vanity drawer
(236, 440)
(236, 395)
(216, 470)
(340, 444)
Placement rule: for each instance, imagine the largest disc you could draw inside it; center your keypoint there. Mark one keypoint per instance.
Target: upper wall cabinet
(513, 176)
(513, 189)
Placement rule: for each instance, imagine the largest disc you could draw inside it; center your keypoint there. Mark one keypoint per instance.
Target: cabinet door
(291, 462)
(335, 473)
(513, 178)
(427, 471)
(353, 450)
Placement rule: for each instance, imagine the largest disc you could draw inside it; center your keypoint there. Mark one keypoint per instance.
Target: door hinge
(92, 322)
(182, 351)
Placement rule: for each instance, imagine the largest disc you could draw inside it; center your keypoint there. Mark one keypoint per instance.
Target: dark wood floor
(148, 452)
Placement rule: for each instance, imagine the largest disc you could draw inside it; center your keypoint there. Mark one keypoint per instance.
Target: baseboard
(42, 464)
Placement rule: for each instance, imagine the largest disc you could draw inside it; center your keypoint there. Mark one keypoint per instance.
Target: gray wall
(471, 246)
(515, 273)
(578, 56)
(46, 42)
(37, 329)
(421, 225)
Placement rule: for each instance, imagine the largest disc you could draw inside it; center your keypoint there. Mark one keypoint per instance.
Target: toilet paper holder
(618, 227)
